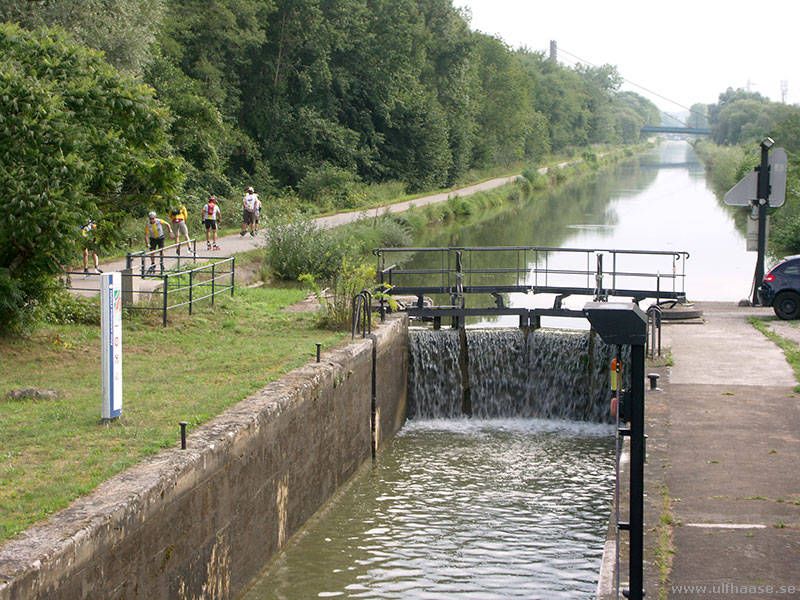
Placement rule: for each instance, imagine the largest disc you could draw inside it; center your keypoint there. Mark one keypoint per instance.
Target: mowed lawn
(52, 451)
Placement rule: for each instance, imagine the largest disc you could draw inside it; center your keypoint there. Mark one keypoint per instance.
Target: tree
(601, 85)
(123, 29)
(506, 115)
(786, 133)
(630, 112)
(727, 98)
(80, 141)
(698, 116)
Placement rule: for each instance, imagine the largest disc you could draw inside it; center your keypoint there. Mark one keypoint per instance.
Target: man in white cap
(154, 237)
(250, 203)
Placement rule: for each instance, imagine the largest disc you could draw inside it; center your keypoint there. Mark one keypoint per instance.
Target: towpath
(723, 462)
(235, 243)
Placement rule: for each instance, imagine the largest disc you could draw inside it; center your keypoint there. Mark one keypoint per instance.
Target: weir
(497, 373)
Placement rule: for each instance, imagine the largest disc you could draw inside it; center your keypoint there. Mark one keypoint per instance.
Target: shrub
(538, 180)
(337, 300)
(64, 308)
(523, 186)
(367, 234)
(332, 187)
(296, 246)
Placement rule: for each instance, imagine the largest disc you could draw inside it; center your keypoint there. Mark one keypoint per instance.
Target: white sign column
(111, 333)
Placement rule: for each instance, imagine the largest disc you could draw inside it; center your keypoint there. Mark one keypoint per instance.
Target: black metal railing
(498, 270)
(160, 261)
(169, 285)
(362, 314)
(529, 269)
(180, 287)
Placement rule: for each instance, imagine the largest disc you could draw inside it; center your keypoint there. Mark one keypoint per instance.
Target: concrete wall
(201, 522)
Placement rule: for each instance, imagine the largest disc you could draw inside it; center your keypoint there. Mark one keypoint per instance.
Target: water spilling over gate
(495, 373)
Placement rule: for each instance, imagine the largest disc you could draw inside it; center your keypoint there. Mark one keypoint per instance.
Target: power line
(649, 91)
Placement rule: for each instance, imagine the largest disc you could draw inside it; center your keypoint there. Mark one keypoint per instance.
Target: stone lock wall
(201, 522)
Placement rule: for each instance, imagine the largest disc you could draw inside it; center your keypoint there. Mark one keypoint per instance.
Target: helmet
(212, 199)
(249, 189)
(174, 211)
(151, 214)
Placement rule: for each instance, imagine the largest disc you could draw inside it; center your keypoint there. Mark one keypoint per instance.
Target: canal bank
(200, 522)
(722, 506)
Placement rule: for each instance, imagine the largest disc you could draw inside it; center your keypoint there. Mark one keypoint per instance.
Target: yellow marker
(614, 374)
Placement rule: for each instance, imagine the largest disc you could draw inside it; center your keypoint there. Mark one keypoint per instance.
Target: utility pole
(784, 89)
(553, 51)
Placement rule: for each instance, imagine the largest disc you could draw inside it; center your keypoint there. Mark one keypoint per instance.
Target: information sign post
(111, 333)
(764, 187)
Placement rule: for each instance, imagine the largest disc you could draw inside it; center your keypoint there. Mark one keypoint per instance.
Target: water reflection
(657, 201)
(461, 509)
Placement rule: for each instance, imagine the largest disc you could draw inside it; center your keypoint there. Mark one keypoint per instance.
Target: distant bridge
(677, 130)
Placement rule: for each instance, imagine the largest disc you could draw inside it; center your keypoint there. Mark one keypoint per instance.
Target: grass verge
(790, 348)
(51, 452)
(665, 548)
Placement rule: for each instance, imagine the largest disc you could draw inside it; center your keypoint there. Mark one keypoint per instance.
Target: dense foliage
(739, 121)
(276, 93)
(79, 141)
(307, 100)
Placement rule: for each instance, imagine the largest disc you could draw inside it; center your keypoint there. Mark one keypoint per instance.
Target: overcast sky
(687, 51)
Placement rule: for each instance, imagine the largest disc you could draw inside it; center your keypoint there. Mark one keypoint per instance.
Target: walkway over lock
(498, 270)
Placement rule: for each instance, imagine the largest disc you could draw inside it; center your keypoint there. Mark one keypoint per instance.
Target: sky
(674, 53)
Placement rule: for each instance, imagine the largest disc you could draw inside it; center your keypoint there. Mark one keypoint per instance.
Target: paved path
(235, 243)
(724, 445)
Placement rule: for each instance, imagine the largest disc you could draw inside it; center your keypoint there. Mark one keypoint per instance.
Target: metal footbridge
(468, 276)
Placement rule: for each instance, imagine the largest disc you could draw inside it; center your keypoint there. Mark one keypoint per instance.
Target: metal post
(319, 348)
(183, 425)
(762, 196)
(191, 281)
(164, 319)
(213, 279)
(636, 523)
(598, 279)
(233, 274)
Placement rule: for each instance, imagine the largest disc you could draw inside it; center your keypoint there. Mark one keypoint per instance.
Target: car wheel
(787, 305)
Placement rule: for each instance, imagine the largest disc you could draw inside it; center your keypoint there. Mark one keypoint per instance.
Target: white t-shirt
(210, 212)
(250, 202)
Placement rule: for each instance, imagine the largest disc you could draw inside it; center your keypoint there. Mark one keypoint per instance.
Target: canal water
(656, 201)
(461, 509)
(511, 508)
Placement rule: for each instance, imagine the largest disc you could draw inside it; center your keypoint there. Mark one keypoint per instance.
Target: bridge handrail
(533, 262)
(380, 251)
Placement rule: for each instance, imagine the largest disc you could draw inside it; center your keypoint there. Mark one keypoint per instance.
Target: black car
(781, 288)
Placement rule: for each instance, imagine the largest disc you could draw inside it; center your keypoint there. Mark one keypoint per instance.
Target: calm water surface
(461, 509)
(656, 201)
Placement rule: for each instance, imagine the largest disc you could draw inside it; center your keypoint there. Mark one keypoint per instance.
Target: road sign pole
(762, 197)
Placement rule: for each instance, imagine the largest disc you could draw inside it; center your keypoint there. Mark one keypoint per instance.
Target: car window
(790, 268)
